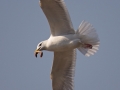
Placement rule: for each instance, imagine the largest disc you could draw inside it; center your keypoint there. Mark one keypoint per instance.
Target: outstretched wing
(58, 17)
(63, 70)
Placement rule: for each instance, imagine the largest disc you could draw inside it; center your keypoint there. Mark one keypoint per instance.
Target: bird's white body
(63, 42)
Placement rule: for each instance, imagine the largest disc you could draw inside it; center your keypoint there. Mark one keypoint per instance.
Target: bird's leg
(87, 46)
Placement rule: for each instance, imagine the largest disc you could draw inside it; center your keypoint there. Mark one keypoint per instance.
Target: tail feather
(87, 34)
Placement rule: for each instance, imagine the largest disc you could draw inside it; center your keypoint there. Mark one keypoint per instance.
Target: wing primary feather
(57, 16)
(63, 70)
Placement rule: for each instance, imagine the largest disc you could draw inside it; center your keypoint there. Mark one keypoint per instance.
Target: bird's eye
(40, 44)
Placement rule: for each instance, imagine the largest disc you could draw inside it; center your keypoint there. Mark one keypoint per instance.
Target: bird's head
(39, 49)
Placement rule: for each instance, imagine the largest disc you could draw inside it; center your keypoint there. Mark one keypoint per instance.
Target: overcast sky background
(23, 25)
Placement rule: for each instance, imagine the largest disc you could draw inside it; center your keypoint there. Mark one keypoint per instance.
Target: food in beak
(36, 54)
(41, 53)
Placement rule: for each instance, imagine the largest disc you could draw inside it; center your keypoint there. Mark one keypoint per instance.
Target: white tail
(87, 34)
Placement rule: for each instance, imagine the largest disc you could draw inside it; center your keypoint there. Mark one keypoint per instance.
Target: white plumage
(87, 34)
(63, 42)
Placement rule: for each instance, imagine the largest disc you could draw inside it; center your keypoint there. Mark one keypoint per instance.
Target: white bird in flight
(63, 41)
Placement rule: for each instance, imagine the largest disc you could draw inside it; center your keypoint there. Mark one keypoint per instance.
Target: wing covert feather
(63, 70)
(57, 16)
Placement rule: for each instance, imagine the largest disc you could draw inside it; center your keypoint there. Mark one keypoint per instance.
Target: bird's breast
(62, 43)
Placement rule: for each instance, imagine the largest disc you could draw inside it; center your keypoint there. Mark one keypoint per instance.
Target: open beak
(37, 51)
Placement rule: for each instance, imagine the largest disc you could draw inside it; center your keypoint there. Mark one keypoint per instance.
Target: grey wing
(63, 70)
(57, 16)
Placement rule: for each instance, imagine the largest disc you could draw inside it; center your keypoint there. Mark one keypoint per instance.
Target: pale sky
(23, 25)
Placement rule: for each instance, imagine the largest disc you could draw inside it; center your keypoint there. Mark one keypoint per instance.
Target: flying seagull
(64, 41)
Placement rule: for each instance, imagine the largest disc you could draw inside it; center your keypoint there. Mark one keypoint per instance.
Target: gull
(64, 41)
